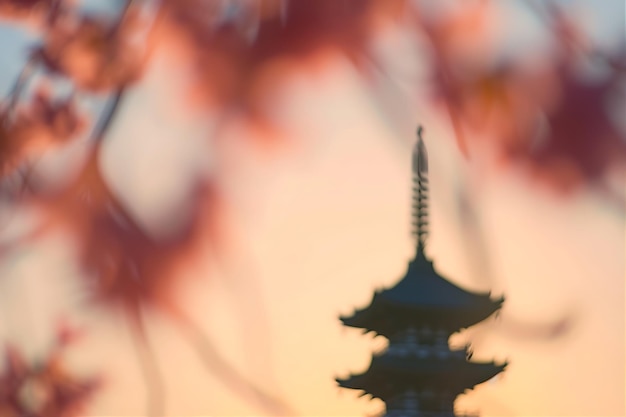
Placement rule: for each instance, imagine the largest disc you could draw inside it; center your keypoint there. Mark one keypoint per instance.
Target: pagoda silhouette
(418, 374)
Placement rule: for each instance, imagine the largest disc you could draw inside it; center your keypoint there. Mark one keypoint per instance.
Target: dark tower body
(418, 374)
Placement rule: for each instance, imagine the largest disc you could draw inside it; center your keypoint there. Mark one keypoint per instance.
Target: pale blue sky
(605, 21)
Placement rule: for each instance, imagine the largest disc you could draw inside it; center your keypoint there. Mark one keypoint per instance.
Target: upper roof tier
(423, 298)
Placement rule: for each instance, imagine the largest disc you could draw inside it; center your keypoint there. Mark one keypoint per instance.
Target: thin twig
(254, 301)
(54, 11)
(105, 122)
(123, 14)
(230, 376)
(484, 268)
(148, 362)
(546, 12)
(446, 86)
(19, 85)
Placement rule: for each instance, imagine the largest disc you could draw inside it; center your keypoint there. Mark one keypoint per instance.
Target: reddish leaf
(124, 266)
(20, 8)
(45, 390)
(98, 55)
(40, 124)
(233, 49)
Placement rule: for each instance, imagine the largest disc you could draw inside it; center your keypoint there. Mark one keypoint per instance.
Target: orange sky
(323, 224)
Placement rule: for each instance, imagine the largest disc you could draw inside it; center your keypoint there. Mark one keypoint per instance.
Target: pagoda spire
(420, 192)
(418, 374)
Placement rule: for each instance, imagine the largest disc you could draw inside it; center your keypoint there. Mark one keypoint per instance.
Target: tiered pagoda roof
(433, 308)
(418, 374)
(423, 297)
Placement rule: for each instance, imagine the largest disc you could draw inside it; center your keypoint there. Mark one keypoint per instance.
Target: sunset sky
(319, 224)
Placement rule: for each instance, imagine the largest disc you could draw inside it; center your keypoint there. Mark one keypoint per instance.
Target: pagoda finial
(418, 373)
(420, 191)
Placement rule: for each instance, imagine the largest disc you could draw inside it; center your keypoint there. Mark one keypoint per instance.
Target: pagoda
(418, 374)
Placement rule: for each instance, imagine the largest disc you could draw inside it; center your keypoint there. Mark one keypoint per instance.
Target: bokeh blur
(192, 192)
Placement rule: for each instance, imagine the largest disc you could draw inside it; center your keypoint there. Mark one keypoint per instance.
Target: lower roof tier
(388, 376)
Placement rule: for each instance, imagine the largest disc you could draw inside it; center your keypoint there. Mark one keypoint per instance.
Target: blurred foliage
(547, 117)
